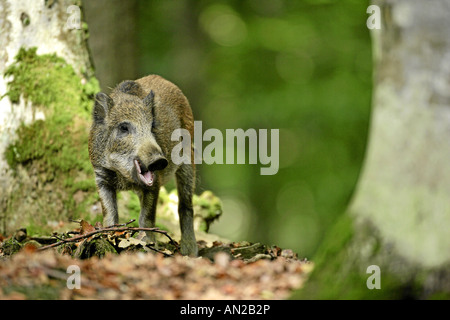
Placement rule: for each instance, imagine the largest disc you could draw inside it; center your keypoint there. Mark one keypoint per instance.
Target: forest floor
(96, 263)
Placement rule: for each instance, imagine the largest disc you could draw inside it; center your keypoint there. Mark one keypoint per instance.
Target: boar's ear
(102, 104)
(131, 87)
(148, 100)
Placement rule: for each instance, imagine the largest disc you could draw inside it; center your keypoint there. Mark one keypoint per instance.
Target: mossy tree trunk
(400, 215)
(46, 91)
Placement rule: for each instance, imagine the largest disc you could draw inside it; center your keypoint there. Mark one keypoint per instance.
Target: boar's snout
(159, 163)
(145, 173)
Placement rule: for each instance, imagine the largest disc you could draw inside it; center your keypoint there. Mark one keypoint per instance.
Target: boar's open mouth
(146, 177)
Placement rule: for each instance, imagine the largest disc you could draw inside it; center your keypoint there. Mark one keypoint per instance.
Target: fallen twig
(44, 240)
(55, 235)
(108, 229)
(159, 251)
(120, 225)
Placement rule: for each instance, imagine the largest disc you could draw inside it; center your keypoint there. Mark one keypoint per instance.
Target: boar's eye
(124, 128)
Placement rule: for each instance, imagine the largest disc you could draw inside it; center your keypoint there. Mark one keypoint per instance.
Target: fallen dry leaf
(86, 227)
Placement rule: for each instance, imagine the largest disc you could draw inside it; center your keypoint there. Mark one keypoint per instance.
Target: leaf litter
(131, 269)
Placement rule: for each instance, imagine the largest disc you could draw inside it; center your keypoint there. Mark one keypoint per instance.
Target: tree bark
(46, 88)
(112, 40)
(400, 213)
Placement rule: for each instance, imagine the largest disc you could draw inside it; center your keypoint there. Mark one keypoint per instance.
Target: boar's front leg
(109, 205)
(148, 199)
(185, 176)
(108, 199)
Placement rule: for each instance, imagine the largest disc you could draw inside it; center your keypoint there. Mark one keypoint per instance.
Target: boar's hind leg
(147, 217)
(185, 185)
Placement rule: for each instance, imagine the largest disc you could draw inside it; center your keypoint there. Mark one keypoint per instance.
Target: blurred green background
(304, 67)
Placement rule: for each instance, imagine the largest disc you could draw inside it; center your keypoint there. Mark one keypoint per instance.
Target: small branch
(44, 240)
(159, 251)
(108, 229)
(120, 225)
(58, 238)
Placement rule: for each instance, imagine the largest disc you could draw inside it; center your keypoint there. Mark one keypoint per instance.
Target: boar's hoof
(189, 248)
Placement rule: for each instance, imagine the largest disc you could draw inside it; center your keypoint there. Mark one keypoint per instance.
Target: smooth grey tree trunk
(399, 218)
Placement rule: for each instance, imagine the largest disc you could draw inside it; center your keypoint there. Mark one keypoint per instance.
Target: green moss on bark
(52, 151)
(327, 281)
(48, 81)
(352, 246)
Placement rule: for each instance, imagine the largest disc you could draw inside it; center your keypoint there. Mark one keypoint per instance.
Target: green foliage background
(304, 67)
